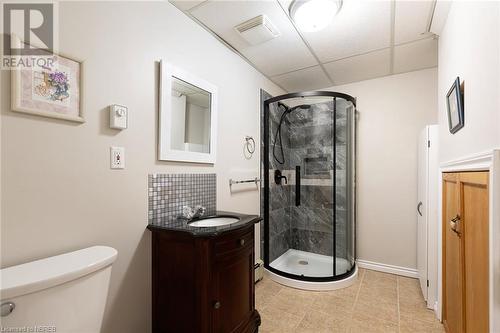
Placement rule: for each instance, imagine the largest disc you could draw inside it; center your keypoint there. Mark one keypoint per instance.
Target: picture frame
(454, 103)
(53, 92)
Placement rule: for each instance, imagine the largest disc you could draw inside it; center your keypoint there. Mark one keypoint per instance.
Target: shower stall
(308, 204)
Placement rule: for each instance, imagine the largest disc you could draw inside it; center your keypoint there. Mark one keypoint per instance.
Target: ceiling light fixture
(314, 15)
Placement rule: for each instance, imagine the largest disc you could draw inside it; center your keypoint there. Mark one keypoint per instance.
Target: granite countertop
(177, 224)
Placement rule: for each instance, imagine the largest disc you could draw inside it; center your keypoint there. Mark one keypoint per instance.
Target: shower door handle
(297, 185)
(418, 208)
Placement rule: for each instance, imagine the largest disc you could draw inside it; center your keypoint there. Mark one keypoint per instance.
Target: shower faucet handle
(278, 177)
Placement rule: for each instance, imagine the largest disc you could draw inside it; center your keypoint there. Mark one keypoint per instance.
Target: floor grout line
(356, 300)
(399, 313)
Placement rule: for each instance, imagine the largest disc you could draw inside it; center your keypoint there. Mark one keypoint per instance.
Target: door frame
(485, 161)
(430, 211)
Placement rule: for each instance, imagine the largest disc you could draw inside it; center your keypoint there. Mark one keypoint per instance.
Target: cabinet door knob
(242, 242)
(454, 224)
(217, 305)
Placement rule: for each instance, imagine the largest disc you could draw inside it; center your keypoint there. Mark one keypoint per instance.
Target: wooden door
(475, 213)
(466, 252)
(453, 318)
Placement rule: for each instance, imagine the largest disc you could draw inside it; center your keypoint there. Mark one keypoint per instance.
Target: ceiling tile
(359, 68)
(280, 55)
(359, 27)
(303, 80)
(411, 20)
(416, 55)
(185, 5)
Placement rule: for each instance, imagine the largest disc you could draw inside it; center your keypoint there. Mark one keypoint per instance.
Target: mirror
(190, 117)
(187, 117)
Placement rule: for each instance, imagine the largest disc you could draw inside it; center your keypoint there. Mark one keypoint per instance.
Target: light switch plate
(118, 116)
(117, 155)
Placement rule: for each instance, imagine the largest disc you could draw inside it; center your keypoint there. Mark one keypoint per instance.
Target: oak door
(453, 318)
(475, 212)
(466, 252)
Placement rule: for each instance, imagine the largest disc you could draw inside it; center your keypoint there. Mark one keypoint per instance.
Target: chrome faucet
(189, 213)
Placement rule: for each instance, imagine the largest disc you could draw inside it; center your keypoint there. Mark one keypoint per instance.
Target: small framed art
(53, 90)
(454, 102)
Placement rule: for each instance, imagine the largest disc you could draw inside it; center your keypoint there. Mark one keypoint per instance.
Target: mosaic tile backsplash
(168, 193)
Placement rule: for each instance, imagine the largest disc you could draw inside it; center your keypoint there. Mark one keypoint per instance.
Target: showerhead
(302, 107)
(288, 109)
(278, 131)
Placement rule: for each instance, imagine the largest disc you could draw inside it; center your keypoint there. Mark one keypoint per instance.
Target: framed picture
(53, 90)
(454, 101)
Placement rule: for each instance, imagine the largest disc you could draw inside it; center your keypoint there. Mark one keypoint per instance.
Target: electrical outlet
(117, 155)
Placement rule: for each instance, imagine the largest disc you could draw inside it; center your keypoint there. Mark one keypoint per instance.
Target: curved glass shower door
(309, 185)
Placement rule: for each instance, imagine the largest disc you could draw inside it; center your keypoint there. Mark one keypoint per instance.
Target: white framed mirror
(188, 117)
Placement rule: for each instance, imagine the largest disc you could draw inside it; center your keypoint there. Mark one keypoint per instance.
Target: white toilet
(66, 293)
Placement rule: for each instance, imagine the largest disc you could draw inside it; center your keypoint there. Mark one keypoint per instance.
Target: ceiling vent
(257, 30)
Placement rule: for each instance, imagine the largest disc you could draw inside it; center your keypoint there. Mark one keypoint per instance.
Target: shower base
(311, 265)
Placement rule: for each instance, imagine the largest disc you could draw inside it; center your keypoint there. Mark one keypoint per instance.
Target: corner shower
(308, 204)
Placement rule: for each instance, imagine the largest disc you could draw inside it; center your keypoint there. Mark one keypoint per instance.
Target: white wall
(392, 112)
(58, 193)
(469, 48)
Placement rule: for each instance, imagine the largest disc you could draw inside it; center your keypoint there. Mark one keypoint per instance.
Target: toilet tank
(66, 293)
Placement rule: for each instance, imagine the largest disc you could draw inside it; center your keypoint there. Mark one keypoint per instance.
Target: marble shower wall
(279, 196)
(312, 147)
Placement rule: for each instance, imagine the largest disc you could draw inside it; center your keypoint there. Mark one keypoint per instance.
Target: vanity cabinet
(203, 283)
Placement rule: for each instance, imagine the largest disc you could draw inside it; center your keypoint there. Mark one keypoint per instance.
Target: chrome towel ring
(250, 144)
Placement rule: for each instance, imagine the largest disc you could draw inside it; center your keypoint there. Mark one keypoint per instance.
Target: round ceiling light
(314, 15)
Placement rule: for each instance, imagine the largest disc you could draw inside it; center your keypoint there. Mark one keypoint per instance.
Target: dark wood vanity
(203, 278)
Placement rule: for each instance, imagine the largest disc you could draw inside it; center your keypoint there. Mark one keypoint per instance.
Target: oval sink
(214, 221)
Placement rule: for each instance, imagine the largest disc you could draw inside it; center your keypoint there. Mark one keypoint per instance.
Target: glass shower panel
(351, 183)
(301, 213)
(343, 229)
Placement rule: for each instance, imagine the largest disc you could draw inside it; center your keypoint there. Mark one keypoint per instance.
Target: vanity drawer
(234, 241)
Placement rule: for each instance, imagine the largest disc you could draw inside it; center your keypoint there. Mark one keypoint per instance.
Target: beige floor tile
(278, 321)
(315, 321)
(415, 325)
(363, 324)
(378, 279)
(377, 310)
(330, 303)
(409, 290)
(265, 290)
(387, 294)
(377, 302)
(294, 301)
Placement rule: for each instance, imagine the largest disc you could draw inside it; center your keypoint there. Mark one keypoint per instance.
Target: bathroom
(392, 61)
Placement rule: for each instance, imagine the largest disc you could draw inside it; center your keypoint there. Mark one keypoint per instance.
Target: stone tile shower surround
(168, 193)
(307, 137)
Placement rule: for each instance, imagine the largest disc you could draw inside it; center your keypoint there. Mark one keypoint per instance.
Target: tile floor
(377, 302)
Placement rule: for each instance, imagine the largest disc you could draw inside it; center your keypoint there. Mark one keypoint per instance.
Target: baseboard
(398, 270)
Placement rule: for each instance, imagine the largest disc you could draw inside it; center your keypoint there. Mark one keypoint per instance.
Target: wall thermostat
(118, 116)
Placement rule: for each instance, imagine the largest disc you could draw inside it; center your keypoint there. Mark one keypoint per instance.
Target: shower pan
(309, 189)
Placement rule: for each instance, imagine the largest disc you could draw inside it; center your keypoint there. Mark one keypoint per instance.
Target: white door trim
(485, 161)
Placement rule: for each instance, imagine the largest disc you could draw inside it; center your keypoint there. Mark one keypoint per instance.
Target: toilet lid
(45, 273)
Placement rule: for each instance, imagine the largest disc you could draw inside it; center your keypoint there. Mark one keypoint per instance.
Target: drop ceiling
(367, 39)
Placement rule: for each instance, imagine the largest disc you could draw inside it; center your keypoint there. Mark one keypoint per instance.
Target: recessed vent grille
(257, 30)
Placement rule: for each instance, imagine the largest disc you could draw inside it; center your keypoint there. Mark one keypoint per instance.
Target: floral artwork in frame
(52, 90)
